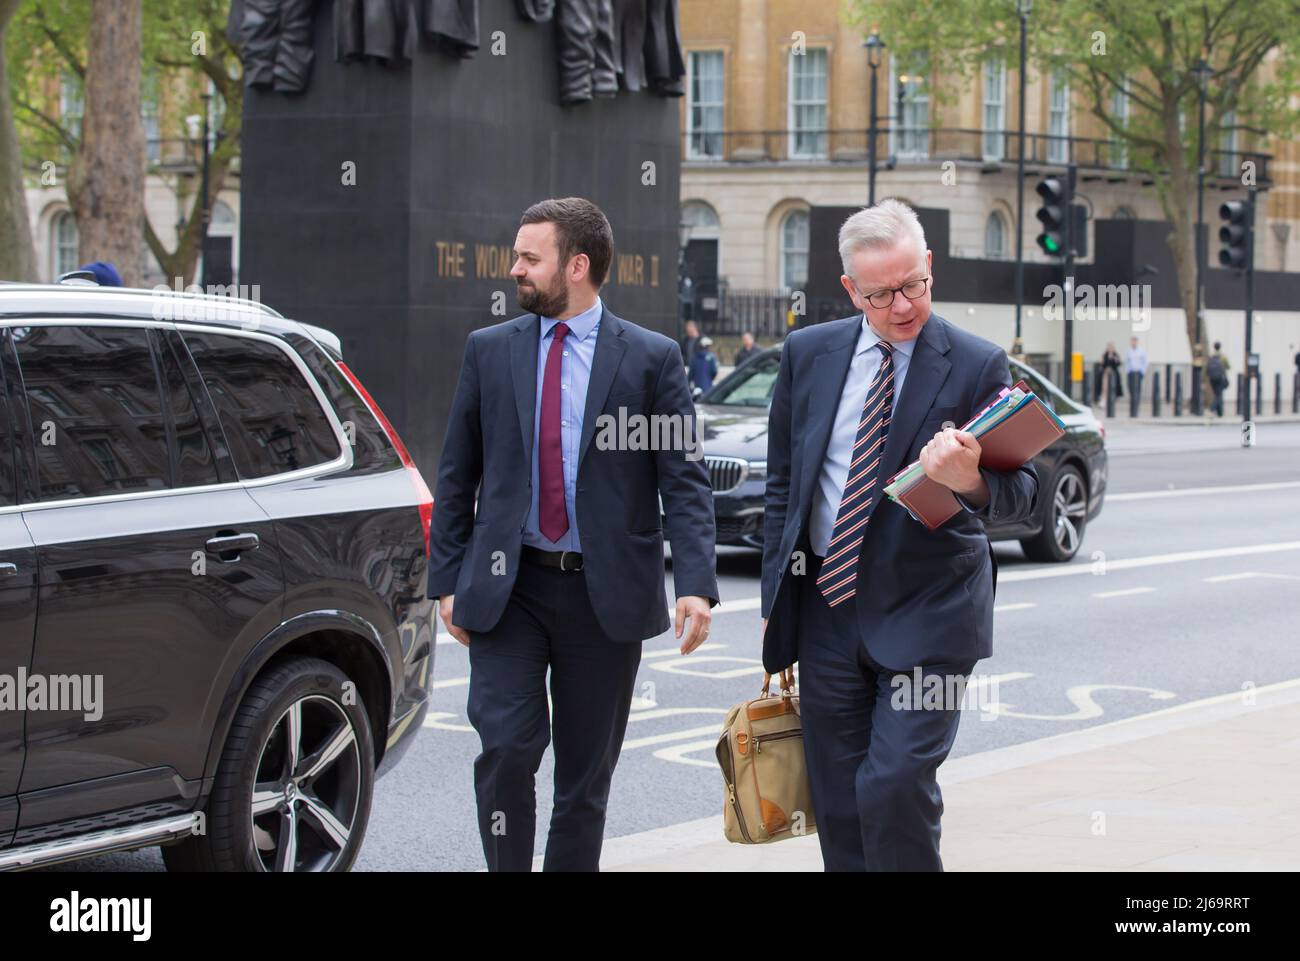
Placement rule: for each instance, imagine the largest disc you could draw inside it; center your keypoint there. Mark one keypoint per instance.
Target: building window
(149, 116)
(1119, 103)
(995, 107)
(66, 243)
(71, 107)
(1058, 119)
(1229, 159)
(704, 86)
(911, 141)
(995, 237)
(808, 103)
(794, 250)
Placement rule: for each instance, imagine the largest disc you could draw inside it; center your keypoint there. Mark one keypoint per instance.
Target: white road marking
(1127, 592)
(999, 608)
(1202, 491)
(1246, 575)
(1081, 697)
(690, 732)
(677, 753)
(688, 666)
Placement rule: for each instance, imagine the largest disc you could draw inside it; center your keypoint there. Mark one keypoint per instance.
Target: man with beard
(559, 564)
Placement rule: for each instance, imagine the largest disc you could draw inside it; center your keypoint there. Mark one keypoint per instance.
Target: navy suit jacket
(923, 597)
(474, 550)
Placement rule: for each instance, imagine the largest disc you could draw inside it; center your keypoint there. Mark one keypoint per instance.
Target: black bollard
(1241, 392)
(1277, 392)
(1155, 393)
(1132, 393)
(1178, 393)
(1259, 394)
(1087, 388)
(1110, 393)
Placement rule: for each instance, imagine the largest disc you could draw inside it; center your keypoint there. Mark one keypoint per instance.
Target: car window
(271, 417)
(195, 464)
(1044, 390)
(96, 410)
(750, 386)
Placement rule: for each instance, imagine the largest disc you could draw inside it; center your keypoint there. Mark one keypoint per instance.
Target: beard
(550, 302)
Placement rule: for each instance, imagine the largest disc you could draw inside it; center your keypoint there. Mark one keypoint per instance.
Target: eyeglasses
(884, 297)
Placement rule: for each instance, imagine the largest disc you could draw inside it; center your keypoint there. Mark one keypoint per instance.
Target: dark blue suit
(585, 627)
(924, 598)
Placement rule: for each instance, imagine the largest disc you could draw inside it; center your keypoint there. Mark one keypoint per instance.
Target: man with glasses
(885, 617)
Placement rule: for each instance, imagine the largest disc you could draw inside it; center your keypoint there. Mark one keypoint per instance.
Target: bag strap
(785, 678)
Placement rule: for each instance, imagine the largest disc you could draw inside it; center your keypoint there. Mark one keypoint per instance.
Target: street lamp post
(1023, 7)
(683, 282)
(203, 195)
(1202, 70)
(901, 82)
(875, 47)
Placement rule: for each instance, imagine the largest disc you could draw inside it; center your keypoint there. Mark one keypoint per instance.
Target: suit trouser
(548, 622)
(872, 764)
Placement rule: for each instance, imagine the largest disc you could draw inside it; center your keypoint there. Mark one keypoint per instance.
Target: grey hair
(881, 227)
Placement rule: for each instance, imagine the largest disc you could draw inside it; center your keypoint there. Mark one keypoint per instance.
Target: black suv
(733, 420)
(214, 633)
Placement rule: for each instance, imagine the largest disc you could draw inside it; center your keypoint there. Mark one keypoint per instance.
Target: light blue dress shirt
(576, 358)
(835, 468)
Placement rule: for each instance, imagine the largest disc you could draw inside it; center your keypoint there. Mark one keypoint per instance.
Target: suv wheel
(292, 791)
(1064, 516)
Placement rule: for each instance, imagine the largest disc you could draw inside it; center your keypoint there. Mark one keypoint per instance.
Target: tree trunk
(1178, 198)
(17, 256)
(106, 180)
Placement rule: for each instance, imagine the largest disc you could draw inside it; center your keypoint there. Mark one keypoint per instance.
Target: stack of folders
(1011, 430)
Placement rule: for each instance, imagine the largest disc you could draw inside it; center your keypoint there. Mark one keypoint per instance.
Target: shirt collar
(869, 338)
(581, 326)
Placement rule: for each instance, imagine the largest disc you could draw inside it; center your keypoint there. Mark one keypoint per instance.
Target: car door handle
(232, 543)
(8, 570)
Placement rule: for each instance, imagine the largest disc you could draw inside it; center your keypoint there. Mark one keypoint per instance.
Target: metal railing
(762, 312)
(928, 144)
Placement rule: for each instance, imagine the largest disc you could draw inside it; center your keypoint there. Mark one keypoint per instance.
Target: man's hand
(952, 457)
(444, 609)
(700, 614)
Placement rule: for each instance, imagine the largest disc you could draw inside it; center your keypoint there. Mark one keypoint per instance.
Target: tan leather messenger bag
(761, 755)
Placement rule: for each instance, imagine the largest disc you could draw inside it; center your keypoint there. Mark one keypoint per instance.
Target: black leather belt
(564, 560)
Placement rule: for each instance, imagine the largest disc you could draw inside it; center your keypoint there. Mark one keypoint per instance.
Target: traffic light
(1234, 233)
(1052, 214)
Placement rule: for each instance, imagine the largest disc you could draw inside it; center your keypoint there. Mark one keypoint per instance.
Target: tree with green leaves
(1145, 50)
(184, 53)
(17, 258)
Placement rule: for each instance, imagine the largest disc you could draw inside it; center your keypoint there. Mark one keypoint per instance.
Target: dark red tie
(553, 517)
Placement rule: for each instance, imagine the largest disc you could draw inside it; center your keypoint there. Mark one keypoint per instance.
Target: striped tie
(839, 572)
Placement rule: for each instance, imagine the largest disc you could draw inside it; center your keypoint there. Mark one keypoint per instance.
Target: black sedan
(733, 418)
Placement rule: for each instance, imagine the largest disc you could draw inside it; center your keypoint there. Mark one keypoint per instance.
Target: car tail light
(1101, 427)
(425, 498)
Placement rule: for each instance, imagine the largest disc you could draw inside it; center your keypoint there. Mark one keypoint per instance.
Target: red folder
(1009, 445)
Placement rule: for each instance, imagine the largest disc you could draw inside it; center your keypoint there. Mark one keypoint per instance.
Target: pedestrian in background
(690, 342)
(704, 365)
(747, 348)
(1109, 361)
(1135, 365)
(1217, 371)
(106, 274)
